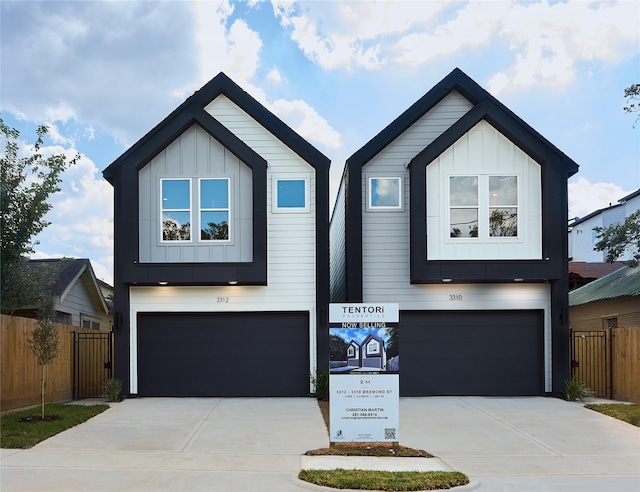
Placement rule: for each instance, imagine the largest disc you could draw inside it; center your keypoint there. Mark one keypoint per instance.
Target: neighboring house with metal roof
(583, 272)
(609, 302)
(582, 237)
(78, 295)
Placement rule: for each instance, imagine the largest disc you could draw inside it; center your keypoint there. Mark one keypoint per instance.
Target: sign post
(364, 371)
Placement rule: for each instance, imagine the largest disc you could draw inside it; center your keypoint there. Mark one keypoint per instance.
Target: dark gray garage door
(491, 353)
(223, 354)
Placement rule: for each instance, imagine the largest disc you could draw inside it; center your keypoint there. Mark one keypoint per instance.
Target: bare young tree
(45, 343)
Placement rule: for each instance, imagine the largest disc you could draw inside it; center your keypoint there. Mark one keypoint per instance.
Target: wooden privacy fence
(608, 361)
(20, 378)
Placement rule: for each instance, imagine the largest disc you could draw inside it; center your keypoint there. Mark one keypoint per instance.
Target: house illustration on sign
(367, 354)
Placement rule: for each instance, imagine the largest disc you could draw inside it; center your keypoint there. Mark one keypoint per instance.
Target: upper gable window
(373, 347)
(483, 206)
(384, 193)
(176, 209)
(214, 209)
(290, 194)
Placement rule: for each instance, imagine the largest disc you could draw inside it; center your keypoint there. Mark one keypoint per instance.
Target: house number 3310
(455, 297)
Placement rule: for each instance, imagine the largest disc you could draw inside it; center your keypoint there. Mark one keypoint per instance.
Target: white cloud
(549, 41)
(81, 215)
(307, 122)
(57, 137)
(344, 34)
(539, 43)
(234, 50)
(586, 197)
(274, 75)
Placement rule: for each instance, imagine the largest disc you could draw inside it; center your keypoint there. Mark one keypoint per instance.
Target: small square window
(290, 195)
(385, 193)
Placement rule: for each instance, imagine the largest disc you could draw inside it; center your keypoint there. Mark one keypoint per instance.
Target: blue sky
(102, 74)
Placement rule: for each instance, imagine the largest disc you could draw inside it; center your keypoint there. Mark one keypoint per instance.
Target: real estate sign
(364, 367)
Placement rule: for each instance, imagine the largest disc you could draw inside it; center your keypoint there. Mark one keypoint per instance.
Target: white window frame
(484, 209)
(275, 179)
(162, 210)
(227, 209)
(385, 208)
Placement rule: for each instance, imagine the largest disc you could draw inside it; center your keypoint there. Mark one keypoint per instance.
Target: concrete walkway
(525, 444)
(213, 444)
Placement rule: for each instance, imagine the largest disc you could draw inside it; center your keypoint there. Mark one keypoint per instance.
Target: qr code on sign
(390, 433)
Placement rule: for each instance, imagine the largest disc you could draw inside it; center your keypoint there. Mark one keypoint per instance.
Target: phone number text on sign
(369, 413)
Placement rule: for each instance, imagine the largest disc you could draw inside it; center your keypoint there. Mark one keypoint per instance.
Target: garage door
(223, 354)
(497, 353)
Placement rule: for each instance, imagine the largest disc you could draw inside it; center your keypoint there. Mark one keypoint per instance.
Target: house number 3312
(222, 299)
(455, 297)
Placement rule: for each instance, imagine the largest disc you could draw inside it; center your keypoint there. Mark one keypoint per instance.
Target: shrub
(113, 388)
(574, 390)
(321, 384)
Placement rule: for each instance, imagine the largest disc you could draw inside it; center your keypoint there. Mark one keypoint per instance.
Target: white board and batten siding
(386, 240)
(193, 155)
(291, 250)
(385, 234)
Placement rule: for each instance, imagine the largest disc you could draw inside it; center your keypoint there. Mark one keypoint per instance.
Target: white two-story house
(221, 252)
(457, 211)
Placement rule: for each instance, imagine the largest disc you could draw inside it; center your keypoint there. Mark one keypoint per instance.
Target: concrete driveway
(213, 444)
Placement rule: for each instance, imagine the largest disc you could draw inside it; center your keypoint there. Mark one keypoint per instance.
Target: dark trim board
(223, 354)
(467, 353)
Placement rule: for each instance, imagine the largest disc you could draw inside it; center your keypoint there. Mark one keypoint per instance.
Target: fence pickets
(20, 377)
(608, 361)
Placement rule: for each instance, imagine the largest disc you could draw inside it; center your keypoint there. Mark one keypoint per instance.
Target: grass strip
(626, 413)
(18, 433)
(384, 480)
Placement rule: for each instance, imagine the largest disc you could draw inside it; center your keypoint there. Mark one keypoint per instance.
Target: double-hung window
(483, 206)
(212, 214)
(214, 209)
(176, 209)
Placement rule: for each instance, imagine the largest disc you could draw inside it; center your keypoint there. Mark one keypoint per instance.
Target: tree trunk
(42, 391)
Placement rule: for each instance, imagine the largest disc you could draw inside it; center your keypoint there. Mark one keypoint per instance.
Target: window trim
(228, 210)
(162, 210)
(275, 179)
(484, 210)
(385, 208)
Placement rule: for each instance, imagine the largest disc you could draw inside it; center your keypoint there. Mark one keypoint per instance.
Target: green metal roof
(621, 283)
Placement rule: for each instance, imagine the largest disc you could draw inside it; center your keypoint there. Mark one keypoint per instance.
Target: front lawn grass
(17, 433)
(384, 480)
(627, 413)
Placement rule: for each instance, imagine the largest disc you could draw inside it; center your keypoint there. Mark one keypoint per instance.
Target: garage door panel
(223, 354)
(496, 353)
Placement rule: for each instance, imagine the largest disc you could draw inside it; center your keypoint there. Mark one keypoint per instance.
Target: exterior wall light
(233, 282)
(163, 282)
(446, 280)
(518, 279)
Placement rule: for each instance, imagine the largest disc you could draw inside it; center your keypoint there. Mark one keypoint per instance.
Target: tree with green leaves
(632, 93)
(618, 238)
(26, 182)
(45, 342)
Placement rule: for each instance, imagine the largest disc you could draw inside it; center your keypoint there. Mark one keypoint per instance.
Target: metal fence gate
(591, 360)
(92, 363)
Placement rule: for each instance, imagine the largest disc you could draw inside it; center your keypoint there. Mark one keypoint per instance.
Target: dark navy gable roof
(192, 111)
(457, 81)
(503, 120)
